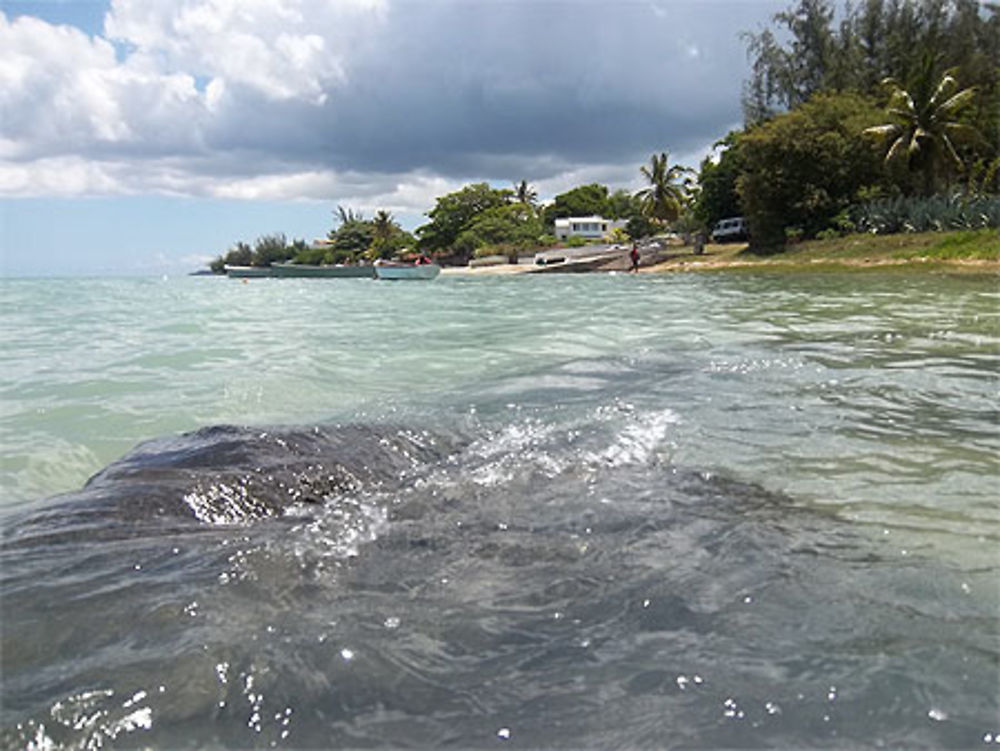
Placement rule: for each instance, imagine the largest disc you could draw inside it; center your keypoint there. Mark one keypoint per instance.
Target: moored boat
(248, 272)
(337, 271)
(406, 270)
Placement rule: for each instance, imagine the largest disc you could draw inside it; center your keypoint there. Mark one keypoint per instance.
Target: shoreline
(972, 252)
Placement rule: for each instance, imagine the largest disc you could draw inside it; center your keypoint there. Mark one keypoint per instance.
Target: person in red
(634, 258)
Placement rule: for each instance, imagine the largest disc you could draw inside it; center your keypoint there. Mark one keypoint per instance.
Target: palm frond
(883, 131)
(898, 148)
(953, 156)
(901, 100)
(944, 90)
(963, 134)
(958, 102)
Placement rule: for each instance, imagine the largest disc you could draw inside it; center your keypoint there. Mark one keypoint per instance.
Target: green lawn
(969, 249)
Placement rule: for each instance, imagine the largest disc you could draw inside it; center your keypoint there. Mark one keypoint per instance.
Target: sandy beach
(859, 253)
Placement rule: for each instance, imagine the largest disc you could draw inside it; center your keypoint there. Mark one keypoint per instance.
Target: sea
(717, 510)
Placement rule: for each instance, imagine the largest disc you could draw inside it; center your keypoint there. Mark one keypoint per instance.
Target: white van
(728, 230)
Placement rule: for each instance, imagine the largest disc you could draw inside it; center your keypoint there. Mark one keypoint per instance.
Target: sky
(148, 136)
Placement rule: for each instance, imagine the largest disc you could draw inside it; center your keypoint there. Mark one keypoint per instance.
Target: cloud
(386, 100)
(285, 49)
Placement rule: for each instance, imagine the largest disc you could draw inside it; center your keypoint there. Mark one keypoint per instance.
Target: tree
(924, 131)
(800, 169)
(351, 239)
(383, 227)
(585, 200)
(388, 238)
(717, 196)
(622, 205)
(452, 214)
(524, 193)
(270, 249)
(348, 215)
(787, 77)
(510, 229)
(240, 254)
(803, 53)
(663, 200)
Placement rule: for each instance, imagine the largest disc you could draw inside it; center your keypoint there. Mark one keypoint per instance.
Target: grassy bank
(975, 251)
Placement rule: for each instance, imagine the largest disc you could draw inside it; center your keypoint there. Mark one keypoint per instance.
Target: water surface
(589, 511)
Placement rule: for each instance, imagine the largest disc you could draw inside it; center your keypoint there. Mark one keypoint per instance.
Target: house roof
(570, 219)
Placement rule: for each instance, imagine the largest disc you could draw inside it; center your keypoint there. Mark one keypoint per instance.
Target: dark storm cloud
(469, 88)
(304, 98)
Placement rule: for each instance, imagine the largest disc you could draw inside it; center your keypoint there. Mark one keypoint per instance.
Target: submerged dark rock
(378, 586)
(228, 474)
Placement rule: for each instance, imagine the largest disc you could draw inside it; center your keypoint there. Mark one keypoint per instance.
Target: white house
(589, 227)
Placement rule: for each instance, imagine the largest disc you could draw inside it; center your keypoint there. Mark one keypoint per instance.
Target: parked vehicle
(730, 230)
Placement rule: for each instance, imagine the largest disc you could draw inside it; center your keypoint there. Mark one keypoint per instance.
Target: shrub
(801, 168)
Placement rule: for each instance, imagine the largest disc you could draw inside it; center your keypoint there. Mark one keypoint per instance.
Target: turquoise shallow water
(875, 391)
(824, 446)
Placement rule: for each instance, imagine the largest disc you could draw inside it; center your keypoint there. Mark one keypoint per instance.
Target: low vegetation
(969, 250)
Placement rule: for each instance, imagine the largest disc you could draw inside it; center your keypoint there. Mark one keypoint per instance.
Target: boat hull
(248, 272)
(300, 270)
(425, 272)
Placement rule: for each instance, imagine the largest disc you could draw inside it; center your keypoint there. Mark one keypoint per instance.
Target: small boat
(406, 270)
(248, 272)
(338, 271)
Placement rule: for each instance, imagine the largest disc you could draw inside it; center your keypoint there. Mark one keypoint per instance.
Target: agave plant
(934, 213)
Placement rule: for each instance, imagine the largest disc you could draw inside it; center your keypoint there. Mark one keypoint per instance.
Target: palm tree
(924, 131)
(663, 200)
(348, 215)
(524, 193)
(383, 230)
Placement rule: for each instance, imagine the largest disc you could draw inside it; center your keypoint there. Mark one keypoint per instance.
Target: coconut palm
(383, 225)
(348, 215)
(924, 132)
(383, 231)
(524, 193)
(663, 200)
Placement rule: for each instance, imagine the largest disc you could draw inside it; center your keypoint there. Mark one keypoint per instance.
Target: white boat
(406, 270)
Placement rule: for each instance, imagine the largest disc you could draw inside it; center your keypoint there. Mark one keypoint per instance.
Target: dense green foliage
(388, 238)
(802, 168)
(595, 200)
(873, 40)
(921, 80)
(354, 239)
(585, 200)
(266, 250)
(454, 213)
(717, 197)
(512, 229)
